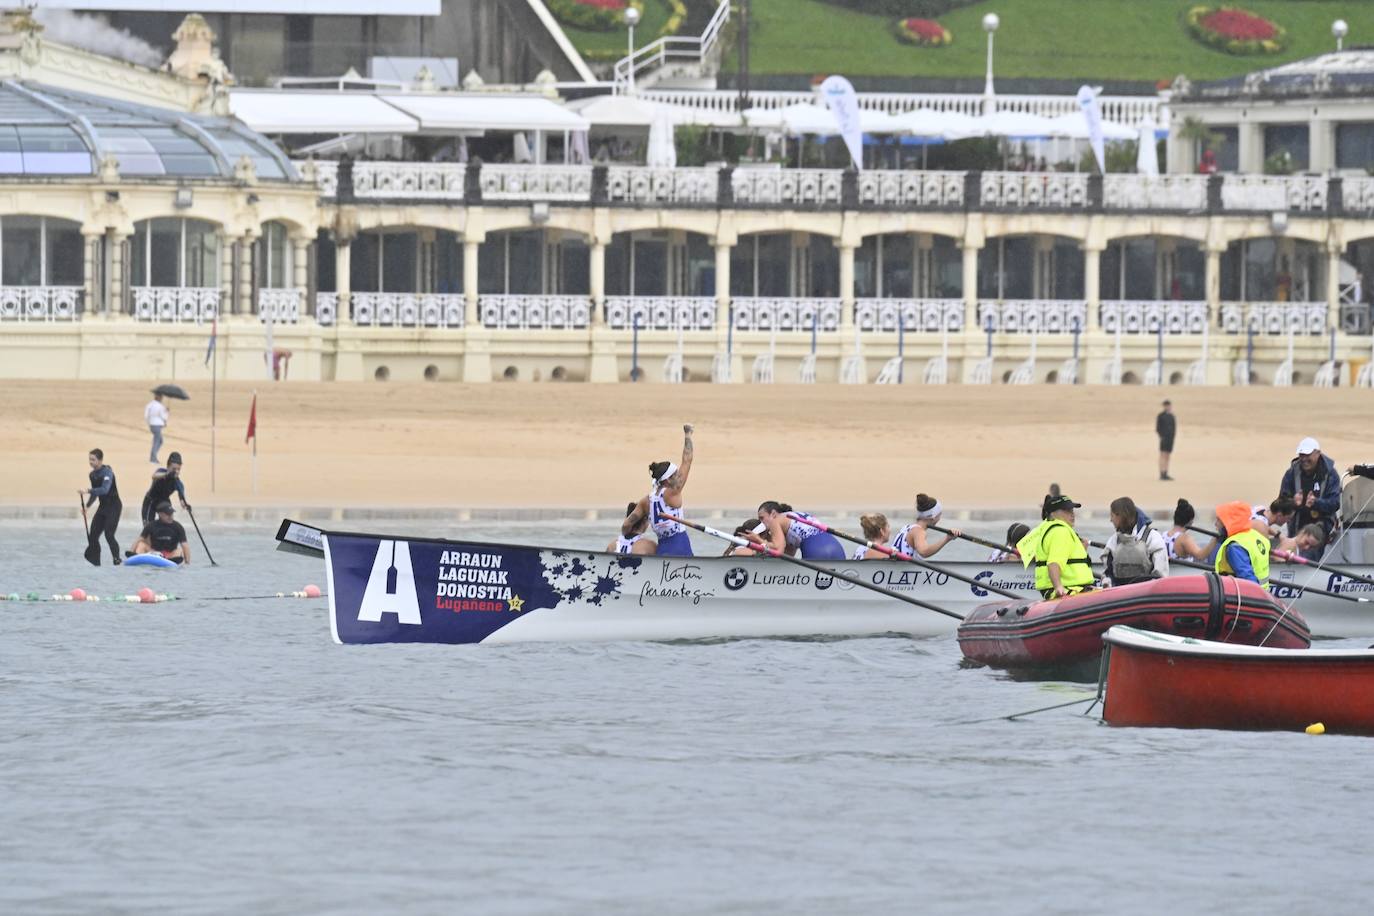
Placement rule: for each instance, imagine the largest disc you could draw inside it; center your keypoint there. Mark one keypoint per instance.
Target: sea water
(212, 756)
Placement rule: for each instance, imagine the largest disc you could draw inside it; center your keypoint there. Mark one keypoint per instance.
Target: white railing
(429, 180)
(917, 315)
(537, 182)
(535, 312)
(281, 306)
(1147, 316)
(325, 174)
(1154, 192)
(911, 189)
(408, 310)
(40, 303)
(1357, 194)
(643, 185)
(1123, 109)
(661, 313)
(808, 187)
(695, 50)
(1273, 317)
(326, 308)
(1034, 189)
(1044, 316)
(1274, 192)
(785, 314)
(164, 304)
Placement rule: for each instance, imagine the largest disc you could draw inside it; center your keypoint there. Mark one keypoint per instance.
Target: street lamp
(1338, 30)
(990, 24)
(631, 19)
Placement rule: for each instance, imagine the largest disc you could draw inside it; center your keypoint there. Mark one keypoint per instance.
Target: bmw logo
(736, 579)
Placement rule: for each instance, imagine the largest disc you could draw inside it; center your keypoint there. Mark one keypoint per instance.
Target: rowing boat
(562, 594)
(1157, 679)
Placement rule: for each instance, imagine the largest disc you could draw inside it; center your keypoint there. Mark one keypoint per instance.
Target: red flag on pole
(252, 421)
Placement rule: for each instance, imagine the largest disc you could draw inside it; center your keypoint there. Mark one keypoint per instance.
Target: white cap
(1308, 446)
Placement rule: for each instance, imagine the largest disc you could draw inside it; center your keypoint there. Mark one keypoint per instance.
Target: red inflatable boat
(1064, 637)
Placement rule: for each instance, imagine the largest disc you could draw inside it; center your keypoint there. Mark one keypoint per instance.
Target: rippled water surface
(224, 756)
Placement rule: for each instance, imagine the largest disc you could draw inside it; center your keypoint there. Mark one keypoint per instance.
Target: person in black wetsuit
(164, 536)
(106, 520)
(166, 481)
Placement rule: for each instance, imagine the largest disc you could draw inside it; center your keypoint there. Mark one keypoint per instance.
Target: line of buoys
(146, 595)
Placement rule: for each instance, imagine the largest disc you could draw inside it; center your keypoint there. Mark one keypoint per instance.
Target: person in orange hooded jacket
(1244, 553)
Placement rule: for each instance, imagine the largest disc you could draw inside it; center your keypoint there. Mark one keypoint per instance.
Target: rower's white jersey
(900, 543)
(1169, 541)
(658, 507)
(626, 545)
(799, 530)
(860, 551)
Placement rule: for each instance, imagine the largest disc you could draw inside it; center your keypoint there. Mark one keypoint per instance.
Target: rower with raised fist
(664, 502)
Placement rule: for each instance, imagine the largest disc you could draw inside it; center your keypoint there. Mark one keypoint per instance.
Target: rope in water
(148, 596)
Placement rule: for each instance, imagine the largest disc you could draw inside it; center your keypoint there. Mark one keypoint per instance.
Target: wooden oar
(900, 555)
(771, 551)
(1288, 557)
(991, 545)
(1272, 581)
(209, 556)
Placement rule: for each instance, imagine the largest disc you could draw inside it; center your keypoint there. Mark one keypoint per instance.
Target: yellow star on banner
(515, 604)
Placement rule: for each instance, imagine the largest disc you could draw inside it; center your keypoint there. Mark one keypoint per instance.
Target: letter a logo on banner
(391, 587)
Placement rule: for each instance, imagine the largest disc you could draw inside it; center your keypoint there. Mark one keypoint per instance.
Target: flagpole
(255, 443)
(214, 400)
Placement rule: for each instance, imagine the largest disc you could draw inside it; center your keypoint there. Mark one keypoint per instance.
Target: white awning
(637, 111)
(275, 111)
(492, 111)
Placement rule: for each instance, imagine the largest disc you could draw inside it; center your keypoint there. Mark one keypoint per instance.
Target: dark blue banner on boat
(415, 590)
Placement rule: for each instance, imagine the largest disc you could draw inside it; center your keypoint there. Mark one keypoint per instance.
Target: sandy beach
(584, 446)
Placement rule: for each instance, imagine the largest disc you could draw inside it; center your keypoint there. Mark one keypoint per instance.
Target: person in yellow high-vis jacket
(1061, 560)
(1245, 552)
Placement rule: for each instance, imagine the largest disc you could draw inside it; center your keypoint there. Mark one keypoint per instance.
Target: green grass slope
(1048, 39)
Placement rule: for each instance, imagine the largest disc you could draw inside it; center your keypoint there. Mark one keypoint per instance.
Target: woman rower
(749, 529)
(1178, 541)
(665, 499)
(636, 542)
(794, 535)
(877, 531)
(1015, 532)
(912, 538)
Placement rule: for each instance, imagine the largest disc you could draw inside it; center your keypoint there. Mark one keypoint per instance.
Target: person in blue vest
(1315, 485)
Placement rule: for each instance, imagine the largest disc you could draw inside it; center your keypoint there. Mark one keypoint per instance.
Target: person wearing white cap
(1315, 485)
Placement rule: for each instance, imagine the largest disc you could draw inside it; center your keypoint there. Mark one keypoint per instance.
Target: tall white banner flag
(844, 105)
(1087, 100)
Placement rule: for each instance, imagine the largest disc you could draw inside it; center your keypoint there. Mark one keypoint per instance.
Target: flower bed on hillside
(597, 15)
(1234, 30)
(924, 32)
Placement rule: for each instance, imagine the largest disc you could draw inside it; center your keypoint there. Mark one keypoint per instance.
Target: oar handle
(1196, 530)
(1272, 581)
(902, 555)
(772, 551)
(1288, 557)
(991, 545)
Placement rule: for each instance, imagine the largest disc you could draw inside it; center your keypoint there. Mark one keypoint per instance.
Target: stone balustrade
(1040, 316)
(535, 312)
(1146, 316)
(326, 308)
(919, 315)
(563, 183)
(642, 185)
(906, 188)
(1154, 192)
(175, 304)
(281, 306)
(661, 313)
(409, 180)
(787, 187)
(408, 310)
(1274, 317)
(764, 313)
(40, 303)
(1033, 190)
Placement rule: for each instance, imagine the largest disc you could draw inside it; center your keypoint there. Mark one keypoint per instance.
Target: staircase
(676, 61)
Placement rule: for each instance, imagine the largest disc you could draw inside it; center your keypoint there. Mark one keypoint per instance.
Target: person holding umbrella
(156, 415)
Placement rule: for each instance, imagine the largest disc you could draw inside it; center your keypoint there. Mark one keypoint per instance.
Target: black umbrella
(172, 391)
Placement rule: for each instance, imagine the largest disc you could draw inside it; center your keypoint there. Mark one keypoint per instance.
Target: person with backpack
(1135, 552)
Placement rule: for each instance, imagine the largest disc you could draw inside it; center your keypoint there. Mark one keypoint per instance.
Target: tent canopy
(636, 111)
(282, 112)
(448, 111)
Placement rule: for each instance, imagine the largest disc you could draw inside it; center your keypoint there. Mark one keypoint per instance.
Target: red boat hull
(1202, 685)
(1067, 633)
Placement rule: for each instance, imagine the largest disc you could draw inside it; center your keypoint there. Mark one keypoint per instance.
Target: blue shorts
(675, 545)
(822, 546)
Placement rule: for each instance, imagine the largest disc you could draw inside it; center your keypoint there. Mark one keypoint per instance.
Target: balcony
(661, 313)
(1146, 316)
(1273, 318)
(834, 189)
(40, 303)
(535, 312)
(176, 304)
(767, 313)
(281, 306)
(408, 310)
(1033, 316)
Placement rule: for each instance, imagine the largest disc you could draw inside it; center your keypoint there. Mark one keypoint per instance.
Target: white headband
(672, 469)
(933, 512)
(760, 528)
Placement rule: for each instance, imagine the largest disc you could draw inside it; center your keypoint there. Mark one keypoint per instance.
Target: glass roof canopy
(49, 131)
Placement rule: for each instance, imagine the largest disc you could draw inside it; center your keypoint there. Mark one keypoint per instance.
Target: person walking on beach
(166, 481)
(1165, 427)
(103, 488)
(155, 413)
